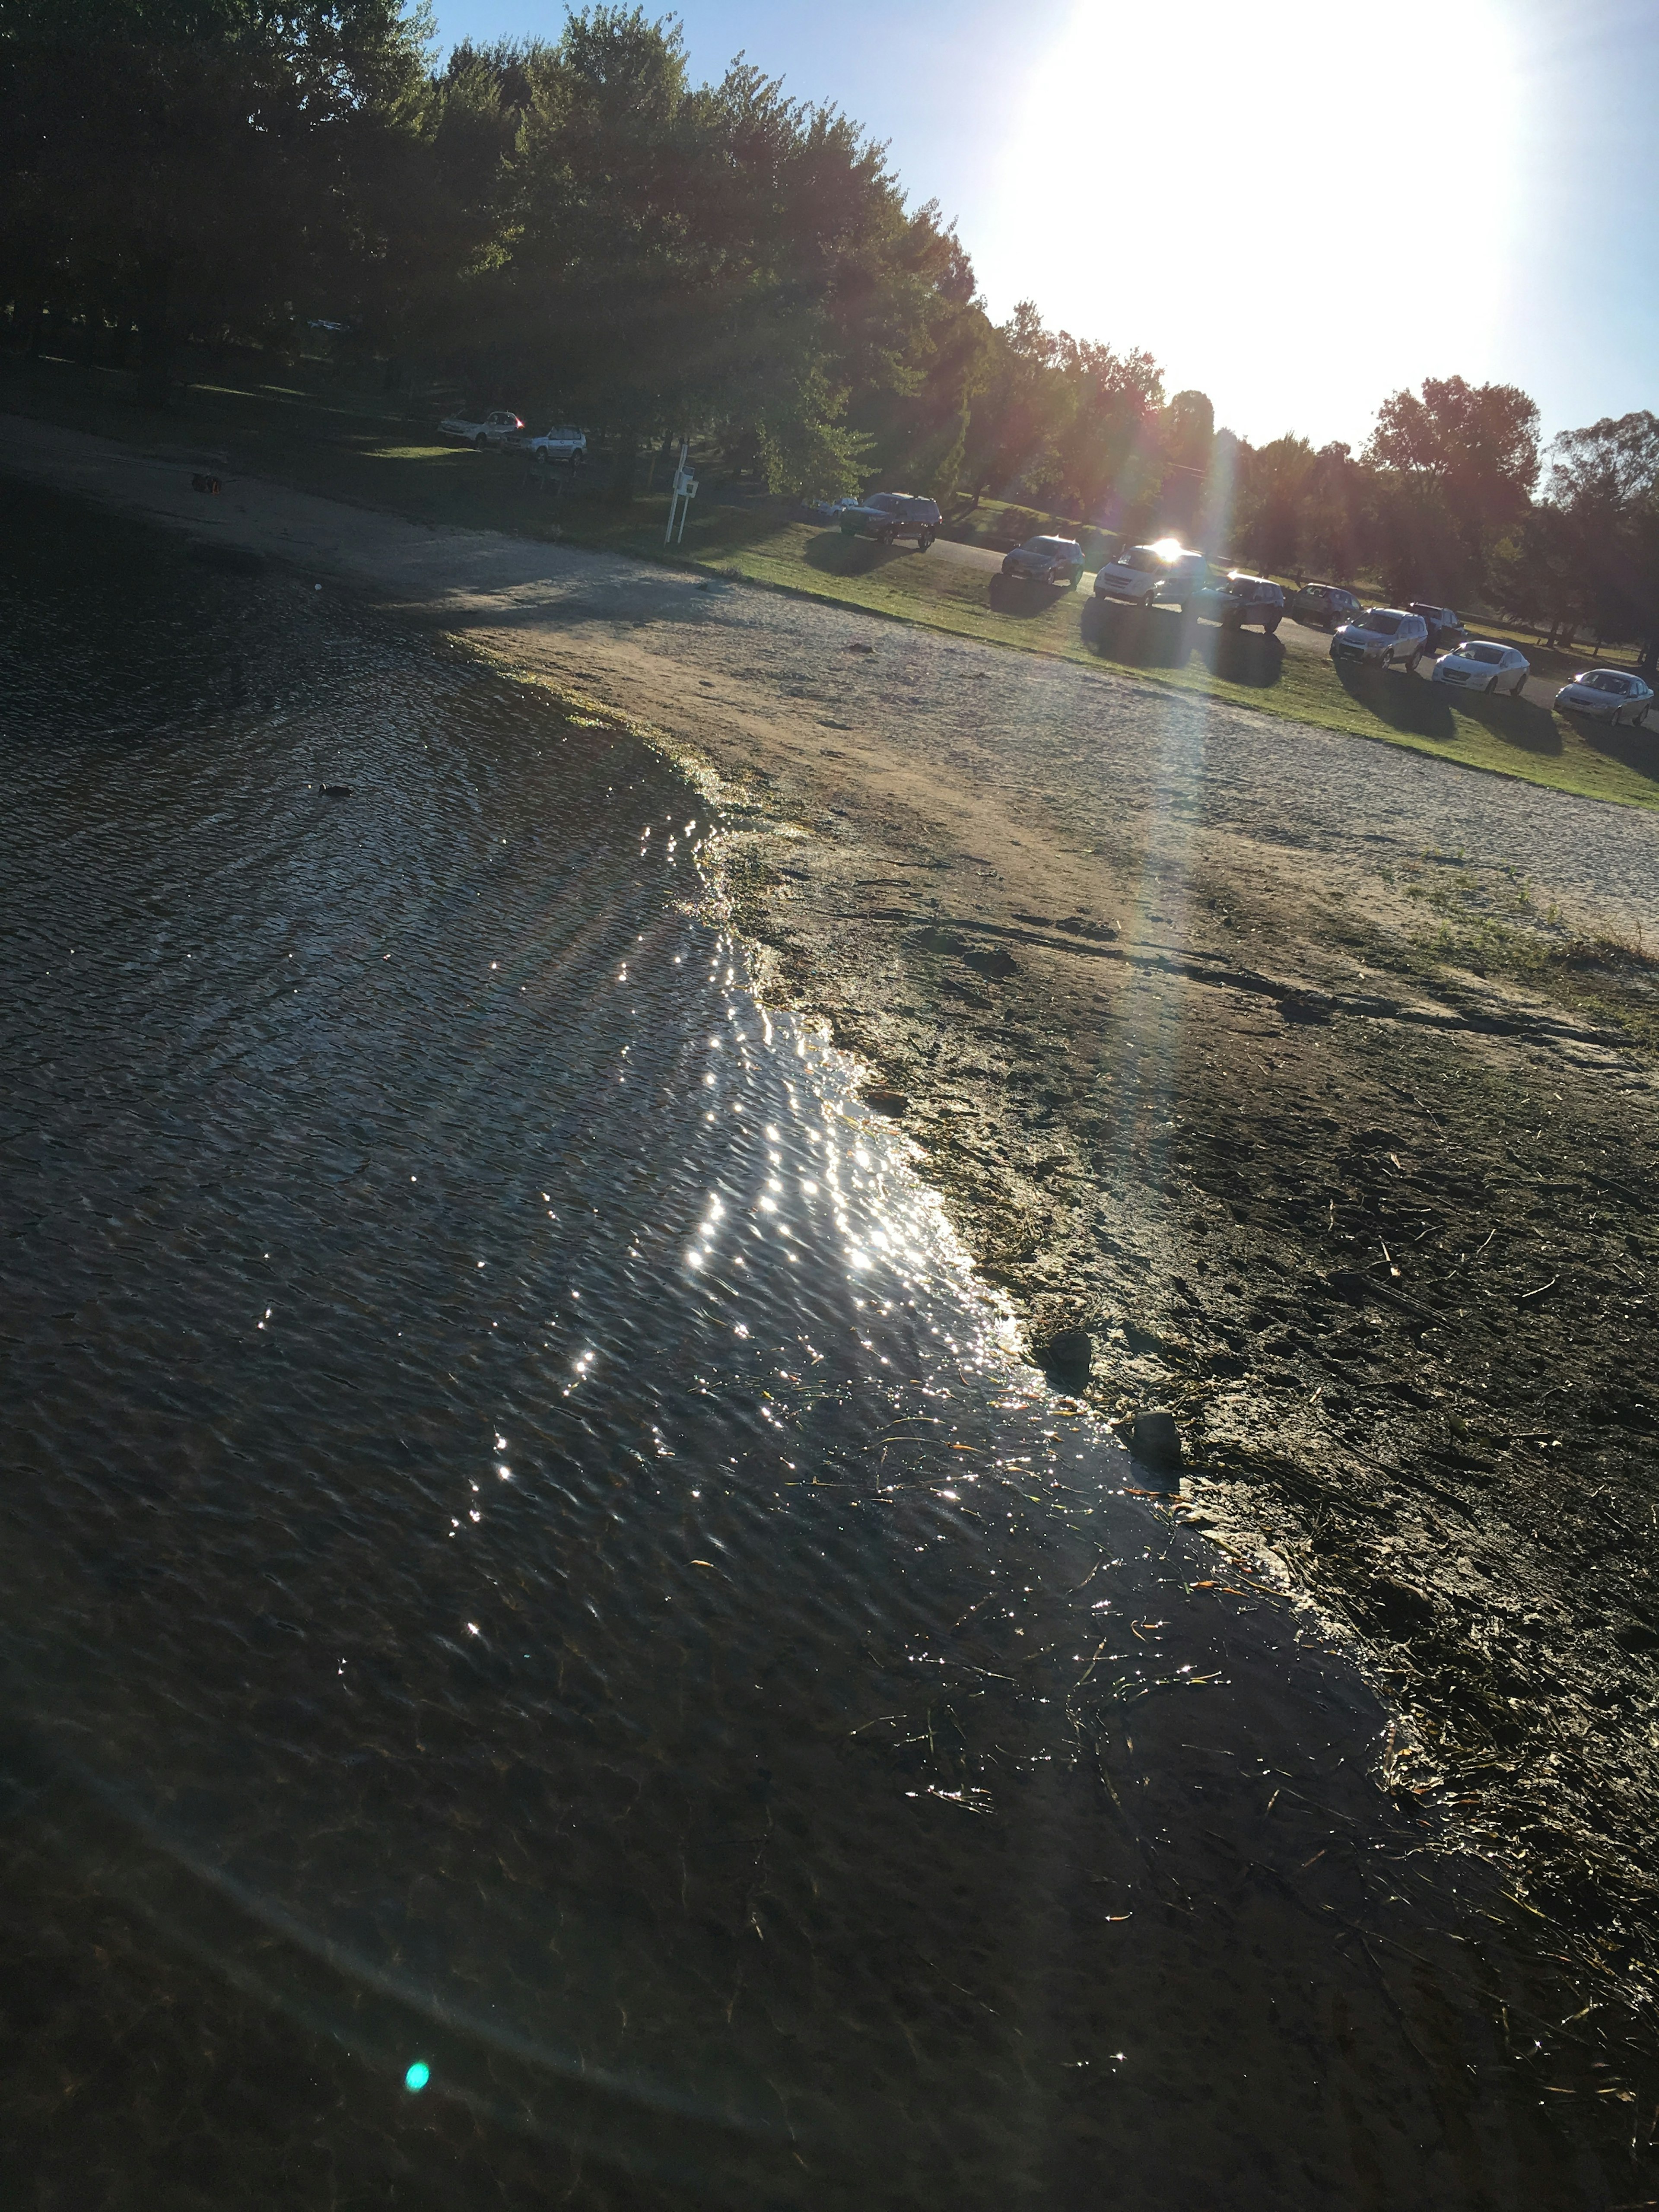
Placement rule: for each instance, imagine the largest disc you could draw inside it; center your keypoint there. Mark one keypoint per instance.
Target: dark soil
(1388, 1258)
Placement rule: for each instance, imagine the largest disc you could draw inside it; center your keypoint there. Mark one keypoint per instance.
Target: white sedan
(1481, 665)
(500, 428)
(1606, 692)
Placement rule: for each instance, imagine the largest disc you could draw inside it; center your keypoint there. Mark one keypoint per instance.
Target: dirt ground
(1315, 1080)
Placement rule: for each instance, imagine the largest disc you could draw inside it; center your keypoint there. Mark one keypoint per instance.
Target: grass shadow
(1399, 700)
(1636, 749)
(1516, 722)
(1023, 599)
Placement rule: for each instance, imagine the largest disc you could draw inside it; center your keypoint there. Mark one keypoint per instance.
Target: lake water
(527, 1554)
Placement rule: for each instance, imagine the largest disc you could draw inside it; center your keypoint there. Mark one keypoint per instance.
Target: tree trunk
(158, 338)
(624, 470)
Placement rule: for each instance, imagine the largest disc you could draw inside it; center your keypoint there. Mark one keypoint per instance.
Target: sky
(1295, 209)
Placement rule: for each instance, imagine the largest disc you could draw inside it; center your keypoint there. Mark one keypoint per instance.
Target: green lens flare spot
(417, 2076)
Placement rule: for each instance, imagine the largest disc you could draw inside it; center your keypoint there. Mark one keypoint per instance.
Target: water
(527, 1556)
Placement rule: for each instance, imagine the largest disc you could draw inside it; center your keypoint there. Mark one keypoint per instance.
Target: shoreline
(1372, 1223)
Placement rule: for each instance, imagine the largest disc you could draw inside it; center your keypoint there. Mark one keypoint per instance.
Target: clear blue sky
(1296, 220)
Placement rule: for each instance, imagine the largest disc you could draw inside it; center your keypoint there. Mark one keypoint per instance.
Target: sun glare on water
(1294, 210)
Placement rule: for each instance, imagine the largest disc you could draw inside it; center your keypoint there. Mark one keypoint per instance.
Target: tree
(192, 161)
(1605, 486)
(1466, 458)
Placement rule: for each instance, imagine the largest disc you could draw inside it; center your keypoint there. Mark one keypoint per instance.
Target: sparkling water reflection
(529, 1556)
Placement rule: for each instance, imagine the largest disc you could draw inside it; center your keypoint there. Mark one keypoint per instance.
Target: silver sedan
(1608, 693)
(1484, 665)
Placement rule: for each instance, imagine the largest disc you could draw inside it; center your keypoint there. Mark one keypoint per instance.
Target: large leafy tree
(1465, 459)
(193, 163)
(1604, 484)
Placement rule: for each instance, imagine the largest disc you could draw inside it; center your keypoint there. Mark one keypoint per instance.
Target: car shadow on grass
(1024, 597)
(834, 554)
(1517, 722)
(1159, 637)
(1414, 709)
(1632, 748)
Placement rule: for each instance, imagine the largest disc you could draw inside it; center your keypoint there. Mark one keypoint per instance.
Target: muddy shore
(1317, 1082)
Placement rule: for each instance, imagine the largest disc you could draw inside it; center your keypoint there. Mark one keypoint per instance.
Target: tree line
(578, 227)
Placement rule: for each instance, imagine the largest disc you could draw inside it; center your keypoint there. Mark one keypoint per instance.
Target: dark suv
(1323, 606)
(887, 515)
(1235, 599)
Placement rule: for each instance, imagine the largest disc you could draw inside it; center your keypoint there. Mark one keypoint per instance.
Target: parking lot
(1295, 637)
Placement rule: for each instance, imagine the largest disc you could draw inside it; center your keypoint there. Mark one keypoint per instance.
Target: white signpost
(685, 490)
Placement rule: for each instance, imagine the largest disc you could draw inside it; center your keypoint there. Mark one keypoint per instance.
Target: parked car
(1234, 599)
(1323, 606)
(1446, 632)
(1144, 573)
(1046, 560)
(1605, 691)
(497, 428)
(886, 515)
(1484, 665)
(559, 445)
(1380, 636)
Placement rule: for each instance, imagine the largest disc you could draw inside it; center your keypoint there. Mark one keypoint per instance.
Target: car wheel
(1075, 579)
(924, 541)
(1270, 626)
(479, 443)
(1519, 688)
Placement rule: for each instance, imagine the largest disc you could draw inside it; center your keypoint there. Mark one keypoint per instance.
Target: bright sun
(1295, 209)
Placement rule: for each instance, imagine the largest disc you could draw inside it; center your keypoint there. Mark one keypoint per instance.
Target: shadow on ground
(1159, 637)
(836, 555)
(1022, 596)
(1634, 749)
(1517, 722)
(1399, 700)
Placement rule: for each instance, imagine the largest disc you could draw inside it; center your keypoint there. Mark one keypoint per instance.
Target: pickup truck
(500, 428)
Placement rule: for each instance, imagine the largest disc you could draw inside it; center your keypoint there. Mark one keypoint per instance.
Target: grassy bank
(345, 443)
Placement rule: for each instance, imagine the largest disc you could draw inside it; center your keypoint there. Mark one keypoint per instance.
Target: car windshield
(1600, 682)
(884, 502)
(1383, 625)
(1489, 656)
(1143, 557)
(1045, 545)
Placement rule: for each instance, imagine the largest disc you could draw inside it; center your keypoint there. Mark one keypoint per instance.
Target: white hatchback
(1604, 691)
(1484, 666)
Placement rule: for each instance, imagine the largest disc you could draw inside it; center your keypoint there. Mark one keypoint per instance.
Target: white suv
(1145, 573)
(1380, 637)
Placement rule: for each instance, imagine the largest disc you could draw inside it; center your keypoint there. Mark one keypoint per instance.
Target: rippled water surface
(525, 1553)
